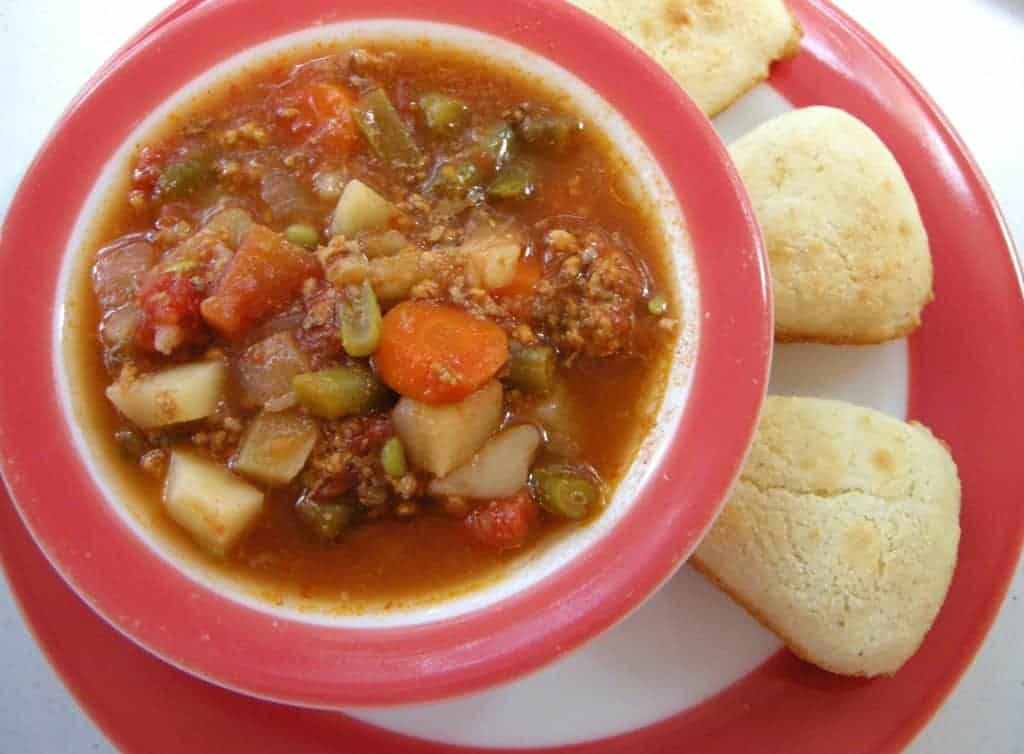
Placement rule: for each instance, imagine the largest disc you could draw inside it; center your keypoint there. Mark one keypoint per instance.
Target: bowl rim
(239, 647)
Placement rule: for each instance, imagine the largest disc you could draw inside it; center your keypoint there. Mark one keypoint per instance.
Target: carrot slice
(528, 273)
(438, 354)
(265, 275)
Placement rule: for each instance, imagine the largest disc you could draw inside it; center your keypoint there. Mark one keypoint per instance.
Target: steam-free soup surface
(367, 324)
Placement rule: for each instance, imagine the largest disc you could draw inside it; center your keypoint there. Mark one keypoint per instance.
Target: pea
(360, 321)
(514, 181)
(392, 458)
(657, 305)
(441, 113)
(532, 368)
(302, 235)
(342, 391)
(565, 491)
(325, 520)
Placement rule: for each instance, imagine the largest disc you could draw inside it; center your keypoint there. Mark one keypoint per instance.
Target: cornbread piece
(841, 534)
(716, 49)
(848, 252)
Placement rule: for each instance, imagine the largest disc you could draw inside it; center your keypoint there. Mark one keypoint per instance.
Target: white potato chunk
(276, 446)
(441, 438)
(493, 265)
(175, 395)
(360, 208)
(209, 502)
(499, 469)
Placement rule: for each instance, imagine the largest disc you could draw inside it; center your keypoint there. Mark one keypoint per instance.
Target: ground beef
(346, 463)
(588, 305)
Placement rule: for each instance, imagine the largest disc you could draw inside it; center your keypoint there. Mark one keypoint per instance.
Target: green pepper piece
(302, 235)
(565, 491)
(392, 458)
(532, 368)
(497, 141)
(342, 391)
(325, 520)
(184, 176)
(360, 320)
(443, 114)
(549, 131)
(514, 181)
(384, 129)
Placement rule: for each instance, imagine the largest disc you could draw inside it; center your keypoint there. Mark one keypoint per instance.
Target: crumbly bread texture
(716, 49)
(841, 534)
(848, 252)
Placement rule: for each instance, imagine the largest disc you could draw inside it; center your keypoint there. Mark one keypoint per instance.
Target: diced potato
(233, 222)
(393, 277)
(441, 438)
(175, 395)
(276, 446)
(348, 269)
(209, 502)
(360, 208)
(499, 469)
(266, 368)
(385, 244)
(494, 265)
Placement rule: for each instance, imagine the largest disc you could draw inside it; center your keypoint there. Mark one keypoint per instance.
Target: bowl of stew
(377, 353)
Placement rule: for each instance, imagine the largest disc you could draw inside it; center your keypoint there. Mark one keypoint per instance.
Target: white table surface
(968, 53)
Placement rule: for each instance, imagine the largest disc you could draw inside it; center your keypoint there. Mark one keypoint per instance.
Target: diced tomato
(264, 276)
(504, 523)
(529, 271)
(169, 299)
(326, 117)
(148, 168)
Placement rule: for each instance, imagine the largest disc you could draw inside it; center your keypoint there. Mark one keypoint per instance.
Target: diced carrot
(438, 354)
(265, 275)
(504, 523)
(528, 273)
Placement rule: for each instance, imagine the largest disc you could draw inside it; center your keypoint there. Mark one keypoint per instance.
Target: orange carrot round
(438, 354)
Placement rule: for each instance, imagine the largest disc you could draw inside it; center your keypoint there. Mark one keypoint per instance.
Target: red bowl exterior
(267, 655)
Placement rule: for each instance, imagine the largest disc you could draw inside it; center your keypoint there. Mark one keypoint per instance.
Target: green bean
(360, 321)
(392, 458)
(384, 129)
(514, 181)
(184, 176)
(547, 130)
(532, 368)
(657, 306)
(565, 491)
(325, 520)
(342, 391)
(441, 113)
(302, 235)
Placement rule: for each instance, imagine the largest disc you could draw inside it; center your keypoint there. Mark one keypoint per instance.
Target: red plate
(961, 384)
